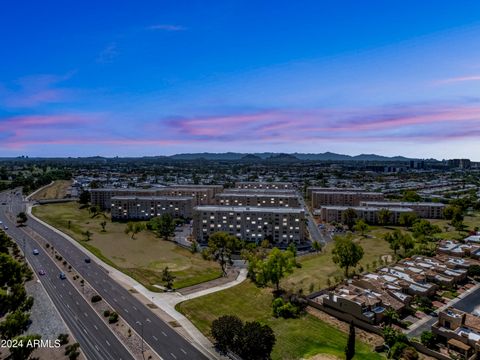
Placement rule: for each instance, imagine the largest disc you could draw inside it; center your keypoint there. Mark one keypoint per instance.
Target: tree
(407, 219)
(317, 246)
(274, 267)
(384, 216)
(23, 352)
(88, 235)
(94, 210)
(256, 341)
(361, 226)
(134, 228)
(346, 253)
(226, 330)
(163, 226)
(221, 247)
(428, 339)
(348, 218)
(474, 270)
(14, 324)
(168, 277)
(21, 218)
(84, 197)
(424, 228)
(391, 316)
(350, 348)
(450, 211)
(103, 224)
(411, 196)
(72, 351)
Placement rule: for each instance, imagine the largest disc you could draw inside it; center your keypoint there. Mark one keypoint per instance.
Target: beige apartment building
(263, 185)
(201, 194)
(342, 198)
(279, 225)
(312, 189)
(255, 198)
(147, 207)
(424, 210)
(369, 214)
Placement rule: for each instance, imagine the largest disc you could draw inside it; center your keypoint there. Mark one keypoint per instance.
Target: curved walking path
(165, 301)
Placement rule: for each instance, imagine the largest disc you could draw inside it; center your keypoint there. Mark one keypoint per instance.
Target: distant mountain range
(327, 156)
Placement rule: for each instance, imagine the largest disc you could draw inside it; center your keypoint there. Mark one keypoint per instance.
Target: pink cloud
(459, 79)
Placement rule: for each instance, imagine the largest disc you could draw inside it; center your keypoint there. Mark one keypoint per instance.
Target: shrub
(63, 339)
(113, 318)
(106, 313)
(96, 298)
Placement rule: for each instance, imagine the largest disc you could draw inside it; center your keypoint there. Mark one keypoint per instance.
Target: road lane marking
(126, 311)
(107, 342)
(95, 326)
(155, 338)
(85, 314)
(134, 308)
(115, 300)
(164, 334)
(173, 355)
(183, 351)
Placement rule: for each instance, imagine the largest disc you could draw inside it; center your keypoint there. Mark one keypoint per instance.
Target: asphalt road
(95, 338)
(315, 233)
(158, 334)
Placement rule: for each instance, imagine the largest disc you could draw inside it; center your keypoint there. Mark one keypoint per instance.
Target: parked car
(41, 272)
(62, 276)
(35, 252)
(88, 260)
(5, 227)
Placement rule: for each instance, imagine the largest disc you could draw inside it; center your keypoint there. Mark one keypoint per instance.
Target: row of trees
(14, 302)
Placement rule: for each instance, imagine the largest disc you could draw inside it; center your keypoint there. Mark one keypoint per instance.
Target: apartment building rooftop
(166, 198)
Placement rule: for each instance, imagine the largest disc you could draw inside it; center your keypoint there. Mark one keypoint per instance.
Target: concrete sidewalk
(165, 301)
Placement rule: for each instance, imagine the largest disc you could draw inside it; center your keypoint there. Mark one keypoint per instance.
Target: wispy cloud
(292, 128)
(167, 27)
(459, 79)
(108, 54)
(35, 90)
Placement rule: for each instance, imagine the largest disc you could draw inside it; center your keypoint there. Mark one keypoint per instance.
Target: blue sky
(155, 77)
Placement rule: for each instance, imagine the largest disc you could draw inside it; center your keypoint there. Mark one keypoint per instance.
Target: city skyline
(162, 78)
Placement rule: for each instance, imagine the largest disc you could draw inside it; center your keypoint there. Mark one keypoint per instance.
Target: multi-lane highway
(159, 335)
(95, 338)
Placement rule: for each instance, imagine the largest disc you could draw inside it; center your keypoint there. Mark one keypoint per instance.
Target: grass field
(316, 269)
(58, 190)
(296, 338)
(143, 257)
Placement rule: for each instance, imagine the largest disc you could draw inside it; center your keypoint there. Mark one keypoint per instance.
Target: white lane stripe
(173, 355)
(164, 334)
(155, 338)
(183, 351)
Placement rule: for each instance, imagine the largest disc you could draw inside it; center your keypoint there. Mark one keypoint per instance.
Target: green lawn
(143, 257)
(317, 268)
(296, 338)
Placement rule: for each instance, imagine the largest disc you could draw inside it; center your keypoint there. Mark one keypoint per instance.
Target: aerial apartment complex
(343, 198)
(367, 213)
(263, 185)
(146, 207)
(258, 198)
(201, 194)
(426, 210)
(279, 225)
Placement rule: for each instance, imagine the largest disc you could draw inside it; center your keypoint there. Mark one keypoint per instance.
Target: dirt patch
(58, 190)
(362, 335)
(323, 357)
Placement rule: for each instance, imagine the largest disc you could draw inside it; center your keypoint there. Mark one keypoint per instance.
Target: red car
(41, 272)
